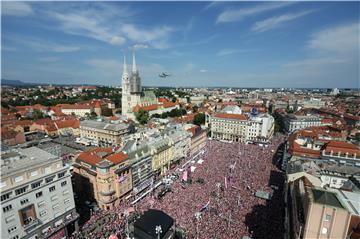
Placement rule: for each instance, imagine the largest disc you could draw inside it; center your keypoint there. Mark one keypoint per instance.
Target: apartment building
(317, 212)
(105, 174)
(231, 127)
(36, 195)
(162, 153)
(104, 133)
(295, 122)
(81, 110)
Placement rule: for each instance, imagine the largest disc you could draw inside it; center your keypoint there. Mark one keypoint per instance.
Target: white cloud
(203, 70)
(117, 40)
(42, 45)
(230, 51)
(240, 14)
(18, 9)
(141, 46)
(157, 37)
(274, 22)
(315, 62)
(343, 39)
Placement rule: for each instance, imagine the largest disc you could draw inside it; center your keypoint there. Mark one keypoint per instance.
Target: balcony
(30, 224)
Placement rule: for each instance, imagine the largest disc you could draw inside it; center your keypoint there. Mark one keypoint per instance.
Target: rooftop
(103, 125)
(19, 159)
(326, 198)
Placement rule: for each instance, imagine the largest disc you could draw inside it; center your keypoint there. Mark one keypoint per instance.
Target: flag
(122, 178)
(185, 176)
(205, 206)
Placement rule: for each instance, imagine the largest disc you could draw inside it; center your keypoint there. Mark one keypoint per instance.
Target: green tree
(93, 115)
(37, 114)
(142, 116)
(199, 119)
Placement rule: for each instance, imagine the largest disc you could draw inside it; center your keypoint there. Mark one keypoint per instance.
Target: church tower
(135, 82)
(125, 83)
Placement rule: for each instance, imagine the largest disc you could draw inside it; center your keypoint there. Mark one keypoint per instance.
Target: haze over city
(233, 44)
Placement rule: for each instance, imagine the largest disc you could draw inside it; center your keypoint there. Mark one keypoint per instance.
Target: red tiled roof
(146, 108)
(117, 158)
(69, 123)
(75, 106)
(162, 100)
(230, 116)
(91, 157)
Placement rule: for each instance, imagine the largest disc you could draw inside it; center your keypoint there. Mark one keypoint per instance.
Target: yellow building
(103, 175)
(162, 155)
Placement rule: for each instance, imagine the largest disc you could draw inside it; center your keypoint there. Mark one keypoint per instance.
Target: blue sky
(239, 44)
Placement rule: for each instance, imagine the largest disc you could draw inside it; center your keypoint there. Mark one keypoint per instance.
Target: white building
(36, 195)
(296, 122)
(78, 110)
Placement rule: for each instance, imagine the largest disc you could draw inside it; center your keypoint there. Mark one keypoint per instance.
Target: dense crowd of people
(216, 199)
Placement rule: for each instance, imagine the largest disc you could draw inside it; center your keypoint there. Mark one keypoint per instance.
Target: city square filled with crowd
(214, 196)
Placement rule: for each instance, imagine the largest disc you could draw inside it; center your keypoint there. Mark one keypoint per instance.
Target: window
(5, 196)
(63, 183)
(20, 190)
(10, 219)
(53, 198)
(60, 175)
(34, 173)
(52, 188)
(3, 184)
(24, 201)
(15, 237)
(11, 229)
(55, 206)
(19, 179)
(43, 213)
(328, 217)
(38, 194)
(47, 170)
(49, 180)
(41, 204)
(7, 208)
(35, 185)
(66, 201)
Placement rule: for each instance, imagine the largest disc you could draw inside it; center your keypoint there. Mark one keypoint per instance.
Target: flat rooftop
(326, 198)
(19, 159)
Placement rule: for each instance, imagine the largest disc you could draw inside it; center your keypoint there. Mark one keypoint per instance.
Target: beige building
(104, 133)
(162, 155)
(76, 109)
(36, 195)
(103, 175)
(231, 127)
(198, 139)
(321, 213)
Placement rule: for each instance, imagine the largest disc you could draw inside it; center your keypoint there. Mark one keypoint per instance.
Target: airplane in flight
(164, 75)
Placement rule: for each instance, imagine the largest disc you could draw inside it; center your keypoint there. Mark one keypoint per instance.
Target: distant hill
(21, 83)
(18, 83)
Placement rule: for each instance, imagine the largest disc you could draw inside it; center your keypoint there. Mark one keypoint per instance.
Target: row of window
(37, 195)
(33, 186)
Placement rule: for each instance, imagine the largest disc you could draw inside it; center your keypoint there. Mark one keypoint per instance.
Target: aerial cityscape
(184, 120)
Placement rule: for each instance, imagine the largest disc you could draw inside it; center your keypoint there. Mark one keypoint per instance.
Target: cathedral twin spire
(135, 81)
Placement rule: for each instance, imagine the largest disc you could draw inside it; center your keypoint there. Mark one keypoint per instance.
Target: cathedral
(132, 93)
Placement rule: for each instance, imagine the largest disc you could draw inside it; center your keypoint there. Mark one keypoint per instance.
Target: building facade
(104, 133)
(106, 176)
(36, 195)
(295, 122)
(230, 127)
